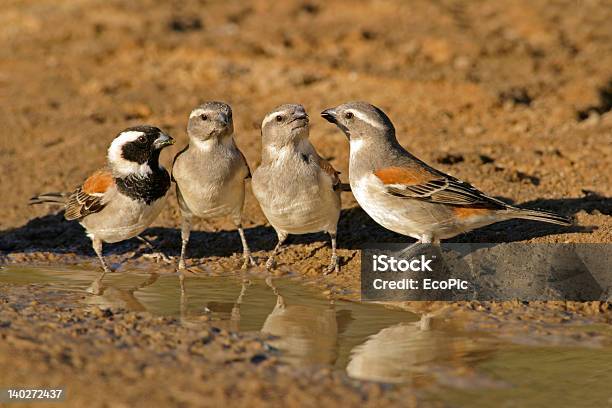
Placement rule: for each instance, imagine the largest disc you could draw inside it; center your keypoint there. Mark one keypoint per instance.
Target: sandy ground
(514, 97)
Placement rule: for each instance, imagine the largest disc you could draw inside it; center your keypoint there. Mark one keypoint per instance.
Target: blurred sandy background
(512, 96)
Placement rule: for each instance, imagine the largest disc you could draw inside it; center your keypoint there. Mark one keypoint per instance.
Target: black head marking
(142, 149)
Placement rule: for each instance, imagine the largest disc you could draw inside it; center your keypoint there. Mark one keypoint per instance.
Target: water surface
(368, 341)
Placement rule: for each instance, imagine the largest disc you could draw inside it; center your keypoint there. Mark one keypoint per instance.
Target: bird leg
(282, 236)
(334, 264)
(426, 239)
(410, 249)
(185, 233)
(236, 309)
(246, 252)
(96, 287)
(156, 255)
(97, 247)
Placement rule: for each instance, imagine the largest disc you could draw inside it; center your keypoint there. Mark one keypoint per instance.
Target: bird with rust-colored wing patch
(404, 194)
(120, 201)
(88, 198)
(421, 184)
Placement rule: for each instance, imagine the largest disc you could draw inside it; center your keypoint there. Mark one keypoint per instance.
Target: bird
(210, 173)
(298, 191)
(120, 200)
(404, 194)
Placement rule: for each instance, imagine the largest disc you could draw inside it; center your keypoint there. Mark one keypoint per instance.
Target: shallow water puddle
(367, 340)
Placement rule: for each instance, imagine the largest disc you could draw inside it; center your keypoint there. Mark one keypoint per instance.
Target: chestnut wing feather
(88, 198)
(329, 170)
(405, 183)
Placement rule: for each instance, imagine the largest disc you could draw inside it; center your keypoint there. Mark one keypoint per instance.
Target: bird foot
(270, 264)
(333, 267)
(248, 260)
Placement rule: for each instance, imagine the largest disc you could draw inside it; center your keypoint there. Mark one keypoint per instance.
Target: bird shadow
(52, 233)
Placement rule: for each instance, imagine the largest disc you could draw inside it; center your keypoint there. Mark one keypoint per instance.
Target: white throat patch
(279, 154)
(356, 146)
(209, 144)
(118, 164)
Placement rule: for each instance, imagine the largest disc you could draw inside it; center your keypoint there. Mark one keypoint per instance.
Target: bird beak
(300, 116)
(162, 141)
(224, 119)
(329, 115)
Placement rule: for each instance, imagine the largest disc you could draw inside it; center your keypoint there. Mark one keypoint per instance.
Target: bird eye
(203, 117)
(142, 139)
(348, 115)
(279, 118)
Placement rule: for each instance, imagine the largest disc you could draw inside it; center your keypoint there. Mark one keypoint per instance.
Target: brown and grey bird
(121, 200)
(407, 196)
(298, 191)
(210, 173)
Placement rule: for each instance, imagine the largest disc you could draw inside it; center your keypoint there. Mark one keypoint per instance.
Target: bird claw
(248, 260)
(270, 264)
(333, 267)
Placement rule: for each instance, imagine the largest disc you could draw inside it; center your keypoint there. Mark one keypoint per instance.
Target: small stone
(473, 130)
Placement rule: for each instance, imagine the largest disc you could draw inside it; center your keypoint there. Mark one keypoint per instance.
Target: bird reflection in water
(114, 297)
(305, 334)
(409, 352)
(214, 309)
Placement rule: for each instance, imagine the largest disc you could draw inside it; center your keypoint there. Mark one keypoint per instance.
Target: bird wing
(246, 163)
(88, 198)
(328, 169)
(422, 184)
(183, 150)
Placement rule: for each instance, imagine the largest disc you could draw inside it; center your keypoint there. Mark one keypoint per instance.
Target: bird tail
(539, 215)
(54, 198)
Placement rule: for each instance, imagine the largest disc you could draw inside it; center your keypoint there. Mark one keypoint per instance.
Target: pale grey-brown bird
(407, 196)
(298, 191)
(121, 200)
(210, 173)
